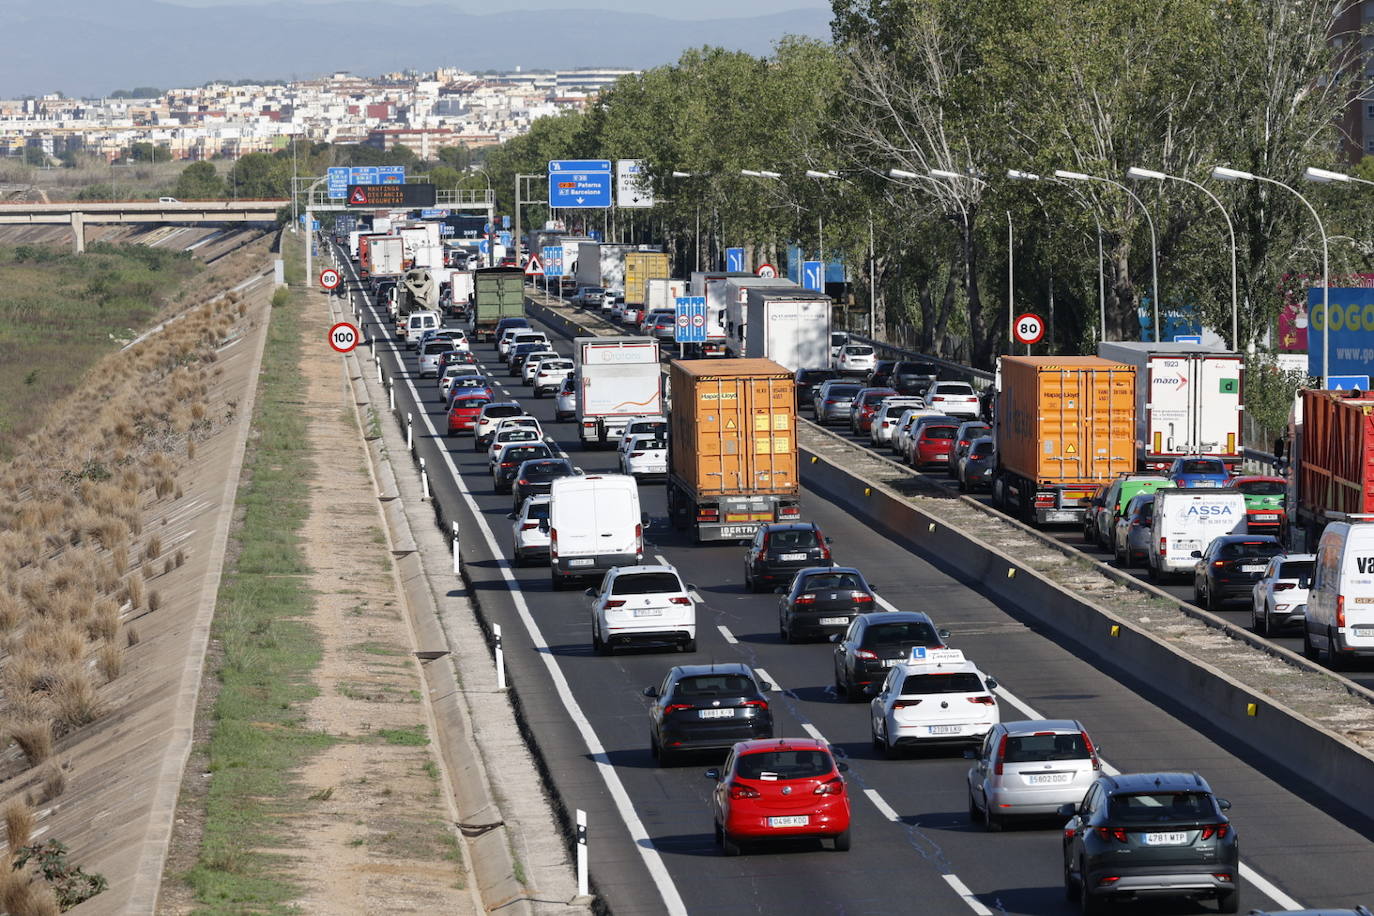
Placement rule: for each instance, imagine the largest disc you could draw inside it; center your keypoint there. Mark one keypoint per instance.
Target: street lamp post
(872, 260)
(1154, 242)
(1141, 174)
(1221, 173)
(1017, 175)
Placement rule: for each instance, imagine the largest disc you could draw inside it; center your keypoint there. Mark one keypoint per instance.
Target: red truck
(1330, 446)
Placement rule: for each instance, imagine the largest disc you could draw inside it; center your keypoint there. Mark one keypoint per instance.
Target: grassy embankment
(58, 312)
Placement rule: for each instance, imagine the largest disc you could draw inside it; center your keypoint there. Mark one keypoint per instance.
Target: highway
(650, 828)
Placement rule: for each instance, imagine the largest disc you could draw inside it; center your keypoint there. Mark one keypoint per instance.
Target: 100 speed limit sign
(1028, 329)
(343, 337)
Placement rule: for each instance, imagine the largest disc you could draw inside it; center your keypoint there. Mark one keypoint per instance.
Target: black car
(537, 476)
(1150, 835)
(503, 474)
(518, 353)
(823, 600)
(881, 376)
(875, 642)
(707, 707)
(1230, 567)
(976, 467)
(505, 323)
(913, 378)
(778, 551)
(808, 380)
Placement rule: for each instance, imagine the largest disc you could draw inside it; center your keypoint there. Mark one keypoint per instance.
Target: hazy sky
(681, 9)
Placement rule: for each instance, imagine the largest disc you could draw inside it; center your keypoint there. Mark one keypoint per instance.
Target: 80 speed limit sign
(343, 337)
(1028, 329)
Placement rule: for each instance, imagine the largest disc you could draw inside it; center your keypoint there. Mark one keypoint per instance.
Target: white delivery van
(416, 323)
(1186, 520)
(595, 524)
(1340, 606)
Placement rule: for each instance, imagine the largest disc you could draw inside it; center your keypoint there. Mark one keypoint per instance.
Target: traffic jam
(645, 489)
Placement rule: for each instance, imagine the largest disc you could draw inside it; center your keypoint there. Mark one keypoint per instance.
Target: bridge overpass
(78, 213)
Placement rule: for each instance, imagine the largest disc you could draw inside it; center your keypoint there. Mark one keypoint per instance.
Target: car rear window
(952, 682)
(900, 634)
(1296, 569)
(981, 449)
(792, 540)
(1201, 467)
(842, 391)
(1237, 549)
(859, 350)
(973, 432)
(646, 583)
(1262, 488)
(518, 434)
(1160, 807)
(957, 388)
(505, 410)
(938, 432)
(831, 581)
(714, 685)
(649, 443)
(526, 452)
(470, 403)
(1034, 748)
(914, 369)
(770, 765)
(547, 471)
(539, 511)
(437, 346)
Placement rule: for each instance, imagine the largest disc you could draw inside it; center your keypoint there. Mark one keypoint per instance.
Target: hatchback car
(976, 467)
(1264, 502)
(876, 642)
(931, 443)
(1131, 536)
(906, 423)
(1117, 497)
(512, 456)
(664, 327)
(565, 401)
(784, 788)
(913, 378)
(935, 697)
(642, 606)
(779, 550)
(643, 455)
(532, 363)
(833, 399)
(956, 399)
(707, 708)
(1150, 835)
(1029, 768)
(457, 358)
(881, 375)
(448, 376)
(550, 375)
(589, 297)
(887, 416)
(864, 406)
(1199, 472)
(530, 529)
(1279, 598)
(823, 600)
(464, 384)
(513, 429)
(515, 361)
(963, 439)
(491, 417)
(856, 359)
(1230, 567)
(536, 477)
(807, 381)
(464, 411)
(428, 360)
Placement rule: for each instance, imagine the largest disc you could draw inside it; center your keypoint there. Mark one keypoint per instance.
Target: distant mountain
(92, 47)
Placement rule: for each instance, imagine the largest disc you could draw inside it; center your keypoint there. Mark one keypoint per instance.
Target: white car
(530, 530)
(954, 399)
(450, 373)
(936, 697)
(532, 362)
(837, 341)
(513, 429)
(550, 374)
(642, 606)
(1280, 596)
(887, 416)
(491, 417)
(647, 425)
(901, 435)
(643, 455)
(1030, 767)
(565, 401)
(856, 359)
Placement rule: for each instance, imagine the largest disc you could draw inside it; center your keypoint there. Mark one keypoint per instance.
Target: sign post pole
(582, 884)
(500, 658)
(457, 569)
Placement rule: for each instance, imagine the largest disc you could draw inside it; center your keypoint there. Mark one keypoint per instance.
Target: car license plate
(1252, 569)
(942, 729)
(942, 457)
(790, 820)
(715, 713)
(793, 556)
(1047, 779)
(1266, 517)
(1363, 632)
(648, 612)
(1166, 839)
(586, 562)
(834, 621)
(891, 662)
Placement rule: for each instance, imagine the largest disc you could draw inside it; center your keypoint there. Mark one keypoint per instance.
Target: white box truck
(1186, 520)
(595, 523)
(617, 378)
(710, 285)
(663, 293)
(1188, 401)
(787, 324)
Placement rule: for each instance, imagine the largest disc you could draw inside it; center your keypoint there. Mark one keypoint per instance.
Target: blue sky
(683, 9)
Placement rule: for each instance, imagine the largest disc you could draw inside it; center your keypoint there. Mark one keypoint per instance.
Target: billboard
(377, 196)
(1351, 335)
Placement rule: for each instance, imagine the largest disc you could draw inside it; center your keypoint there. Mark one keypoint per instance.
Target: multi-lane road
(914, 847)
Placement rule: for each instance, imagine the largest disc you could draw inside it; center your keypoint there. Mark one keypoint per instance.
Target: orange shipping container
(1066, 420)
(733, 427)
(1336, 461)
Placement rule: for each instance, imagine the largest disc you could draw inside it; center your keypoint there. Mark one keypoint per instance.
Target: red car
(463, 414)
(932, 446)
(1264, 502)
(865, 406)
(785, 788)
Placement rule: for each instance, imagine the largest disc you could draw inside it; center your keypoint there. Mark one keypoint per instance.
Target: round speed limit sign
(343, 337)
(1028, 329)
(329, 278)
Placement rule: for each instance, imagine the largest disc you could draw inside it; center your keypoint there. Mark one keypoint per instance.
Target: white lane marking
(653, 860)
(1262, 884)
(962, 890)
(696, 596)
(661, 561)
(887, 605)
(729, 637)
(883, 807)
(767, 679)
(813, 731)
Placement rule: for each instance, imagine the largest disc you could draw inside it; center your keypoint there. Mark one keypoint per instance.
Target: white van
(1340, 606)
(595, 525)
(1188, 520)
(416, 323)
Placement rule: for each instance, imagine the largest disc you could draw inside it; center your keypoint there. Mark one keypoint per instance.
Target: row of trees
(1094, 86)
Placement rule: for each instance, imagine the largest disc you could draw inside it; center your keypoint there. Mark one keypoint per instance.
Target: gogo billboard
(1352, 332)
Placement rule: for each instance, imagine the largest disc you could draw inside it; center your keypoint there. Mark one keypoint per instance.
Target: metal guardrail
(891, 351)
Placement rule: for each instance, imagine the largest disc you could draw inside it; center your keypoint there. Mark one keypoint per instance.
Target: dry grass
(154, 600)
(110, 661)
(33, 734)
(133, 590)
(75, 700)
(180, 557)
(19, 822)
(54, 780)
(153, 548)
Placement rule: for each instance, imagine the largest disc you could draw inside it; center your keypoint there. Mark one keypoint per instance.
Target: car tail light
(1221, 875)
(1107, 880)
(528, 526)
(808, 598)
(553, 543)
(678, 599)
(963, 442)
(789, 512)
(865, 653)
(739, 791)
(707, 514)
(639, 541)
(1218, 563)
(903, 704)
(1163, 547)
(1215, 830)
(984, 700)
(523, 482)
(1044, 500)
(1284, 586)
(1340, 610)
(1001, 755)
(614, 603)
(1092, 751)
(508, 464)
(756, 704)
(1112, 833)
(636, 454)
(861, 597)
(833, 786)
(677, 707)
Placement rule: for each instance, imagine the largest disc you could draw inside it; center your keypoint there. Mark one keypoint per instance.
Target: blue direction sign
(505, 222)
(363, 174)
(391, 174)
(337, 179)
(483, 247)
(579, 184)
(1347, 382)
(553, 260)
(813, 275)
(690, 326)
(504, 238)
(433, 213)
(1188, 339)
(734, 259)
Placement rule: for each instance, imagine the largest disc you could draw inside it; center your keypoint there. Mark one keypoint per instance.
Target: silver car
(1030, 767)
(429, 356)
(1279, 598)
(888, 415)
(565, 401)
(833, 400)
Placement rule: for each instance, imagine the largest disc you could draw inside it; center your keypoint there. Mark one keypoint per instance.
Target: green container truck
(499, 293)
